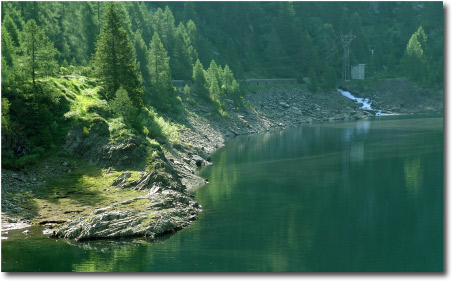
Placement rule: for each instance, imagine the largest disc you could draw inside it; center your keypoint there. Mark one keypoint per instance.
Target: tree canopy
(115, 58)
(38, 53)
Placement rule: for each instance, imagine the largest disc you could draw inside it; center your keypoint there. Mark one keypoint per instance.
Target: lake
(332, 197)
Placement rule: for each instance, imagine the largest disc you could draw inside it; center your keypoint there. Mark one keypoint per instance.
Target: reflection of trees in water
(413, 176)
(112, 255)
(372, 222)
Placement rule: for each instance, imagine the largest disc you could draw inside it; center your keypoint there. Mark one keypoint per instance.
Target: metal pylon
(346, 39)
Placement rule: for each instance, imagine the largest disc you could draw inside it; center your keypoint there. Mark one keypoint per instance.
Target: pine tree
(8, 49)
(11, 28)
(414, 60)
(213, 77)
(189, 12)
(162, 89)
(122, 104)
(199, 80)
(229, 86)
(89, 29)
(164, 25)
(115, 59)
(142, 52)
(214, 89)
(183, 54)
(38, 59)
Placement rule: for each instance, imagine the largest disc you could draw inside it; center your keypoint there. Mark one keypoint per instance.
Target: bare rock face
(149, 216)
(94, 144)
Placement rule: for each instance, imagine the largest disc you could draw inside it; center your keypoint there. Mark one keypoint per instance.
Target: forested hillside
(66, 63)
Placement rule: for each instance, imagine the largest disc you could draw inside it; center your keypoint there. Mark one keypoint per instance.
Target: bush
(64, 71)
(38, 150)
(86, 71)
(9, 162)
(27, 160)
(187, 90)
(100, 107)
(148, 121)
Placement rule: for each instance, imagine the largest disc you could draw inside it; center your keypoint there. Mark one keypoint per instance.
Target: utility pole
(346, 39)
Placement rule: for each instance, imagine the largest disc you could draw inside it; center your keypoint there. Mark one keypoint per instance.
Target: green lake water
(354, 196)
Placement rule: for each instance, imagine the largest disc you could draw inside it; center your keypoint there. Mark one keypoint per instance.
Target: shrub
(100, 107)
(86, 71)
(187, 90)
(64, 71)
(122, 104)
(85, 132)
(26, 160)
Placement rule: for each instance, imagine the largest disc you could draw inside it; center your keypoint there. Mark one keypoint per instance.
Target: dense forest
(129, 53)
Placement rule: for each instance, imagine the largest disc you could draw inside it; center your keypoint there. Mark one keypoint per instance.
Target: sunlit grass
(78, 193)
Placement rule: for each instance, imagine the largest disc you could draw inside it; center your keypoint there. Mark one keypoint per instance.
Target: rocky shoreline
(168, 204)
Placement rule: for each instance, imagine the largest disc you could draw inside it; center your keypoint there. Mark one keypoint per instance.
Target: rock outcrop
(149, 216)
(94, 144)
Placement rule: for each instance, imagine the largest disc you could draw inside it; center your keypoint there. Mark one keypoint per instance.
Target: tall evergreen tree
(183, 57)
(142, 52)
(8, 48)
(38, 53)
(199, 80)
(414, 61)
(115, 59)
(213, 73)
(162, 89)
(11, 28)
(89, 29)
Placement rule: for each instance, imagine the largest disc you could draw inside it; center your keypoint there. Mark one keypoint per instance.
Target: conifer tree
(414, 61)
(115, 59)
(214, 88)
(229, 86)
(38, 53)
(199, 80)
(122, 104)
(89, 28)
(183, 54)
(142, 52)
(11, 28)
(213, 75)
(8, 48)
(162, 89)
(164, 25)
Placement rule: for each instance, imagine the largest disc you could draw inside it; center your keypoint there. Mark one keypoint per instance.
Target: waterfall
(364, 102)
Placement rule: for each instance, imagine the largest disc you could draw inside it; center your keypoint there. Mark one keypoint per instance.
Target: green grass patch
(78, 193)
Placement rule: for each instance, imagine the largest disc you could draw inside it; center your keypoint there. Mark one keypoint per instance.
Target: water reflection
(363, 196)
(342, 206)
(413, 176)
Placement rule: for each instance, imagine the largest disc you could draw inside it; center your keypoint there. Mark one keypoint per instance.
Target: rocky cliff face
(95, 146)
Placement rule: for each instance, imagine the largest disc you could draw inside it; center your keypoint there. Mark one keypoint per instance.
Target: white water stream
(364, 102)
